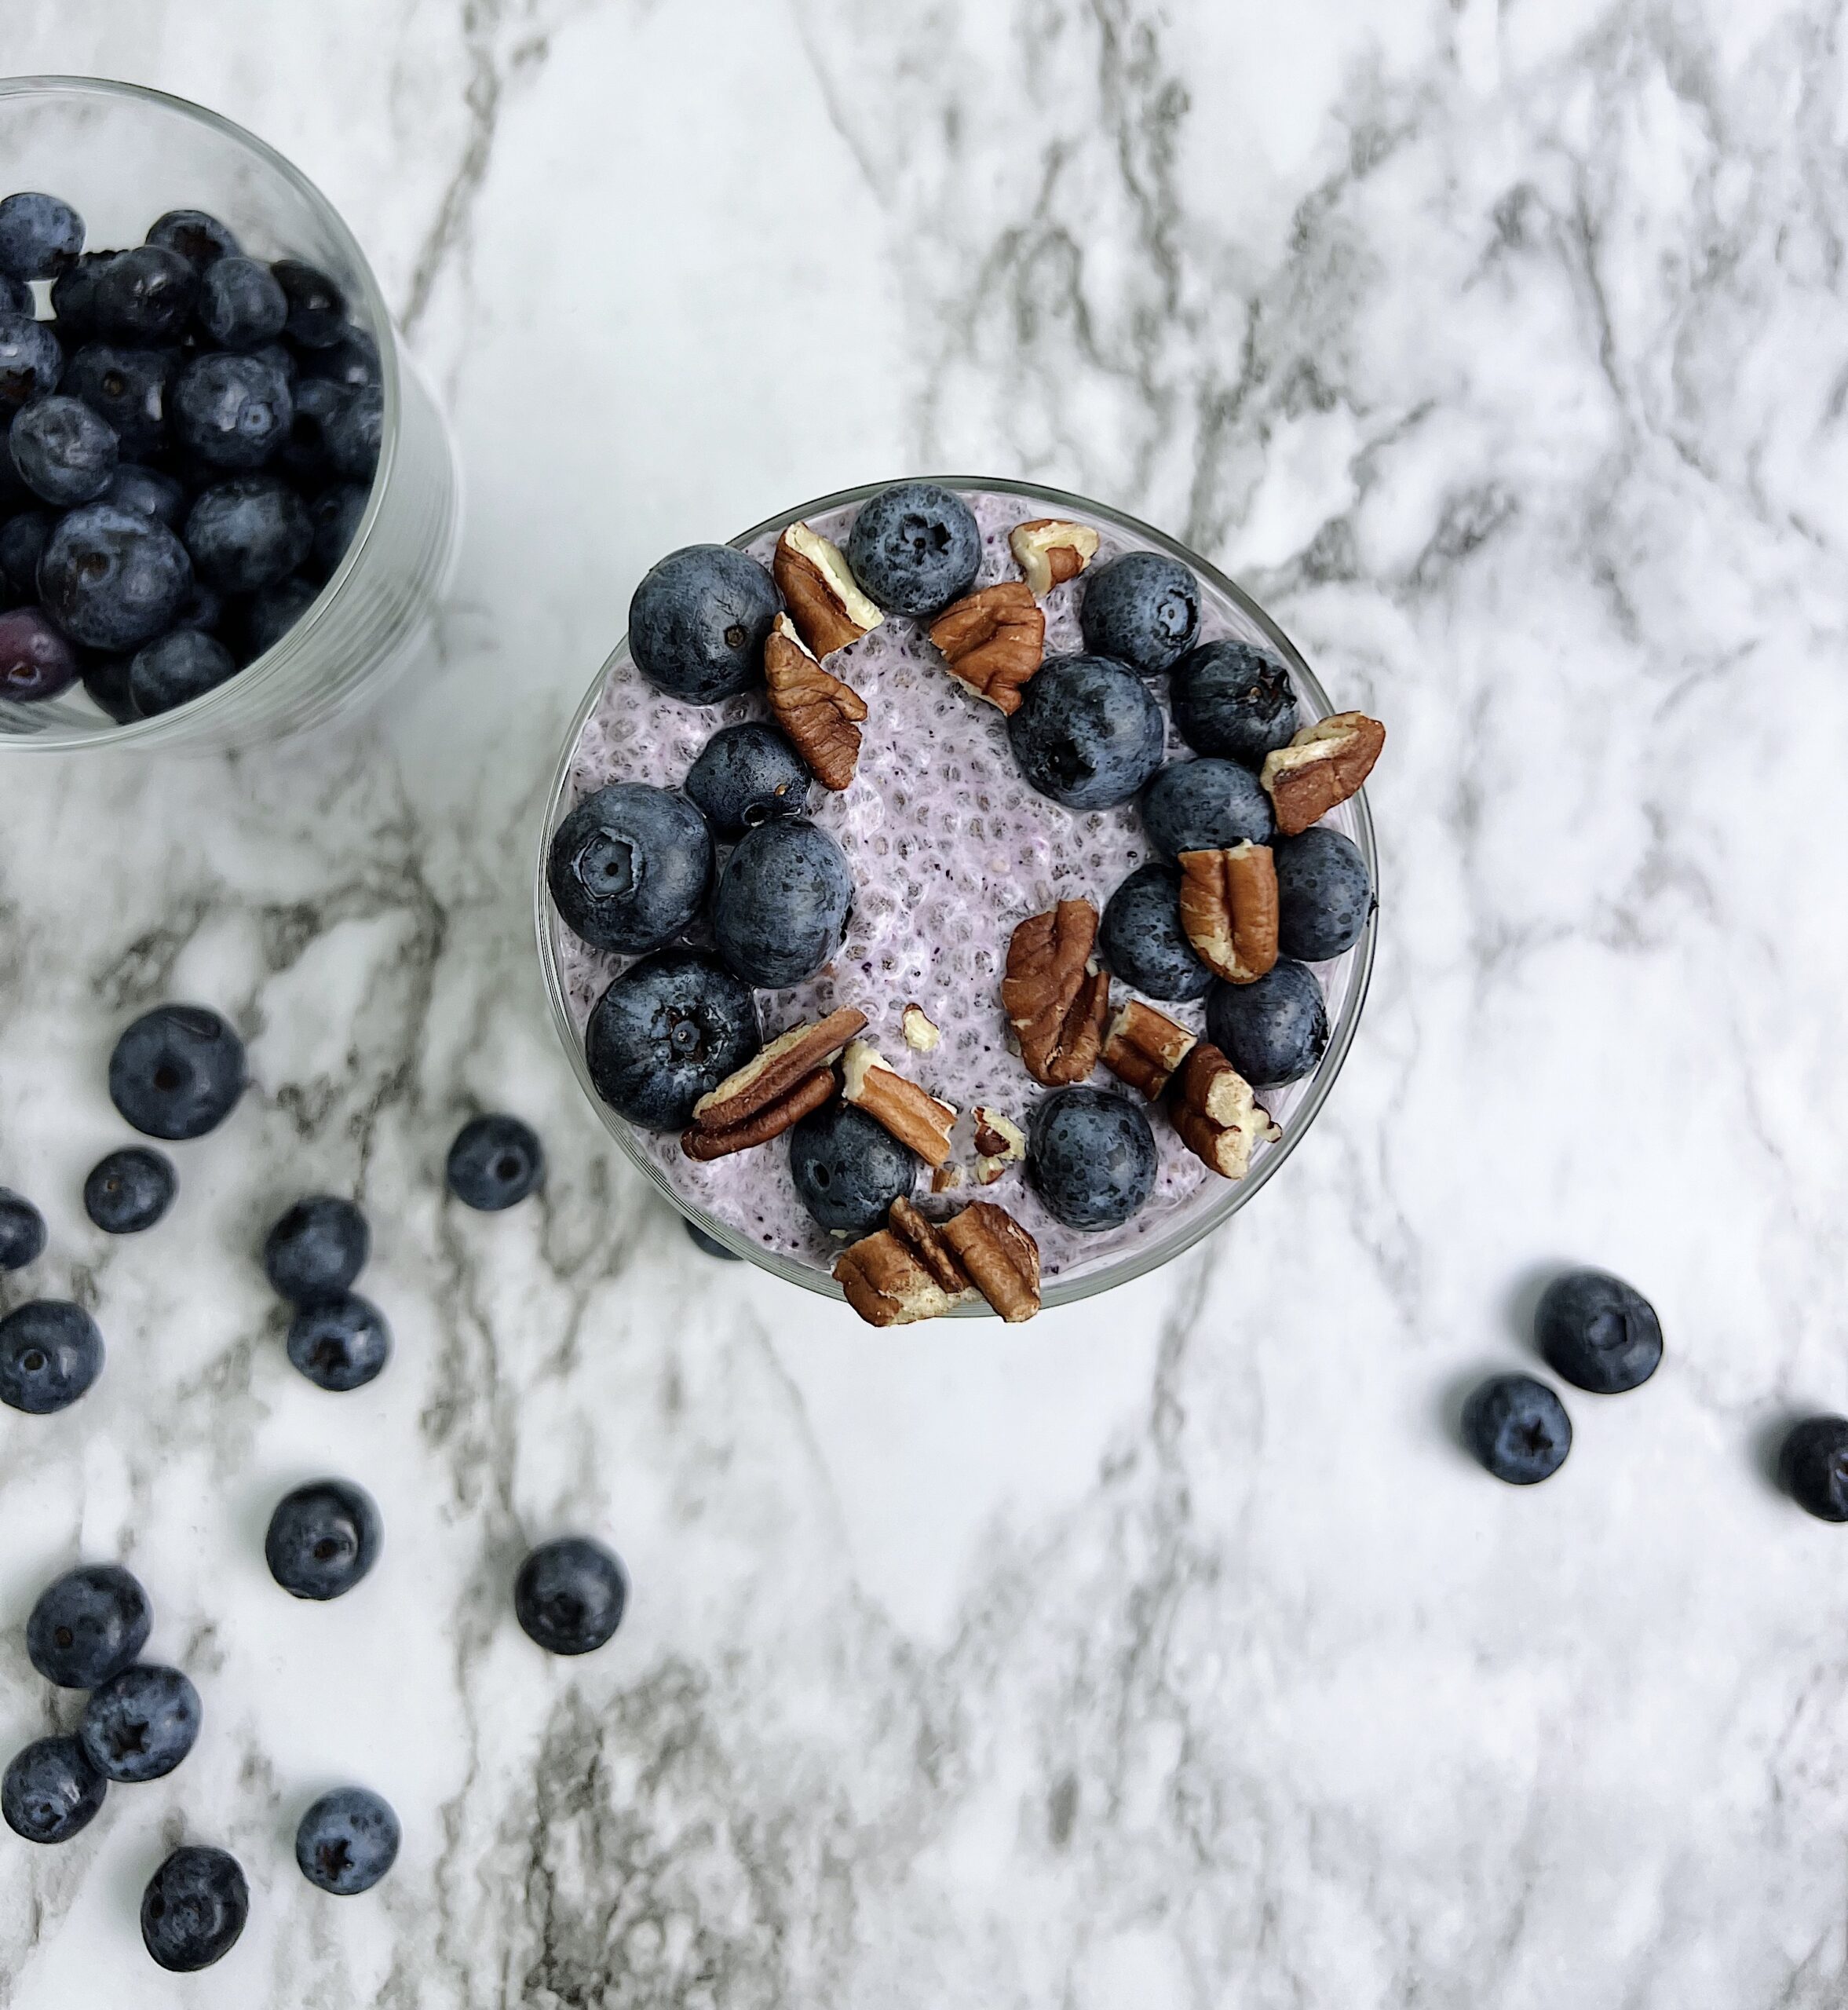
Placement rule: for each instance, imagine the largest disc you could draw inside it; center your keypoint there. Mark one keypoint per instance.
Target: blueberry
(194, 1909)
(496, 1162)
(50, 1790)
(50, 1352)
(1142, 609)
(1518, 1428)
(16, 296)
(232, 411)
(23, 539)
(1206, 805)
(148, 490)
(248, 532)
(915, 547)
(40, 236)
(204, 608)
(285, 359)
(113, 578)
(782, 903)
(304, 454)
(317, 307)
(316, 1248)
(354, 429)
(1323, 894)
(22, 1231)
(176, 667)
(199, 237)
(74, 296)
(1599, 1333)
(336, 514)
(629, 867)
(106, 678)
(346, 1841)
(708, 1245)
(175, 1072)
(848, 1169)
(1230, 698)
(352, 360)
(62, 450)
(36, 661)
(88, 1625)
(274, 611)
(323, 1538)
(698, 622)
(146, 295)
(31, 361)
(340, 1343)
(1091, 1157)
(128, 387)
(748, 775)
(139, 1724)
(1813, 1466)
(240, 306)
(669, 1028)
(1087, 734)
(1274, 1030)
(1141, 939)
(130, 1190)
(569, 1595)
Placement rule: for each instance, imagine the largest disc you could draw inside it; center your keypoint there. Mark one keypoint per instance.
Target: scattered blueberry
(1087, 734)
(569, 1595)
(782, 903)
(323, 1538)
(346, 1841)
(335, 513)
(240, 306)
(130, 1190)
(62, 450)
(316, 1249)
(248, 532)
(355, 430)
(39, 236)
(1600, 1333)
(748, 775)
(1518, 1428)
(709, 1246)
(175, 668)
(1091, 1156)
(22, 1231)
(199, 237)
(1142, 609)
(50, 1790)
(88, 1625)
(1230, 698)
(317, 307)
(1813, 1466)
(113, 578)
(915, 547)
(353, 360)
(129, 387)
(194, 1909)
(848, 1169)
(36, 661)
(147, 490)
(340, 1343)
(1323, 894)
(629, 867)
(1274, 1030)
(146, 295)
(669, 1027)
(176, 1072)
(50, 1352)
(495, 1162)
(1206, 805)
(31, 361)
(232, 411)
(698, 622)
(1141, 940)
(23, 540)
(139, 1724)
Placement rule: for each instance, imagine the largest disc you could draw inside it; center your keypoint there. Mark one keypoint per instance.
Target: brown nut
(1049, 552)
(1145, 1047)
(999, 1142)
(1001, 1257)
(715, 1141)
(1322, 766)
(926, 1242)
(913, 1115)
(993, 642)
(820, 713)
(944, 1176)
(823, 598)
(887, 1284)
(1228, 908)
(921, 1036)
(1212, 1107)
(1055, 1002)
(760, 1101)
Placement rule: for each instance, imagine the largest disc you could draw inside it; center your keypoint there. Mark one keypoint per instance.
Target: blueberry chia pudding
(953, 891)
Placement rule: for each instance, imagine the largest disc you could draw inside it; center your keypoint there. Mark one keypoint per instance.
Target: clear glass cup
(1345, 979)
(122, 155)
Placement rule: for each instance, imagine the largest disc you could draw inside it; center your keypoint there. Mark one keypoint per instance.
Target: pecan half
(887, 1282)
(1049, 552)
(1001, 1258)
(763, 1098)
(1055, 1002)
(913, 1115)
(820, 713)
(920, 1034)
(1145, 1047)
(1229, 908)
(993, 642)
(711, 1142)
(823, 597)
(1322, 766)
(999, 1142)
(928, 1243)
(1220, 1120)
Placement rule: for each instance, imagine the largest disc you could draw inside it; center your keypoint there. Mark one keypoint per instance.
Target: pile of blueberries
(177, 1072)
(191, 436)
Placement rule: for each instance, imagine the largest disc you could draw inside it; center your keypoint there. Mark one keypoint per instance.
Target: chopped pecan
(999, 1142)
(1219, 1120)
(1001, 1258)
(709, 1141)
(944, 1177)
(920, 1035)
(1145, 1047)
(1049, 552)
(913, 1115)
(927, 1242)
(823, 598)
(758, 1102)
(993, 642)
(820, 713)
(1229, 908)
(1055, 1000)
(1322, 766)
(888, 1282)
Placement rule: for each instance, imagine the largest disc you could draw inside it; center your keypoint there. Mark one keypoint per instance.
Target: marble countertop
(1167, 1651)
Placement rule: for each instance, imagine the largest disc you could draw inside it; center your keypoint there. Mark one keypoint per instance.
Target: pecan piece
(888, 1285)
(913, 1115)
(1229, 908)
(999, 1142)
(1145, 1047)
(712, 1142)
(1049, 552)
(823, 596)
(1322, 766)
(920, 1034)
(993, 642)
(1055, 1000)
(928, 1243)
(820, 713)
(1219, 1120)
(1001, 1258)
(782, 1082)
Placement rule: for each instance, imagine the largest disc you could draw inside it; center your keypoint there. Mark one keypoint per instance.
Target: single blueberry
(1323, 894)
(146, 295)
(62, 450)
(176, 1072)
(340, 1343)
(915, 547)
(285, 359)
(698, 622)
(40, 236)
(22, 1231)
(31, 361)
(1141, 939)
(148, 490)
(16, 296)
(671, 1027)
(1599, 1333)
(316, 1249)
(352, 360)
(74, 297)
(782, 903)
(570, 1594)
(88, 1625)
(1518, 1428)
(748, 775)
(50, 1352)
(847, 1168)
(113, 578)
(1142, 609)
(232, 411)
(496, 1162)
(1274, 1030)
(199, 237)
(194, 1909)
(274, 610)
(50, 1790)
(629, 867)
(36, 659)
(1091, 1157)
(128, 387)
(1230, 698)
(248, 532)
(317, 307)
(204, 608)
(346, 1841)
(709, 1246)
(323, 1538)
(1813, 1466)
(139, 1724)
(240, 306)
(304, 454)
(176, 667)
(23, 538)
(354, 430)
(336, 514)
(106, 678)
(1206, 805)
(130, 1190)
(1088, 734)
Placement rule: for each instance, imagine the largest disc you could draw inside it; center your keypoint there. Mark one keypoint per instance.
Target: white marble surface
(1167, 1652)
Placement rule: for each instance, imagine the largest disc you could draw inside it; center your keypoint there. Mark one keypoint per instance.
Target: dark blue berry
(240, 306)
(194, 1909)
(698, 622)
(199, 237)
(50, 1790)
(23, 539)
(1518, 1428)
(316, 1249)
(176, 1072)
(346, 1841)
(74, 297)
(36, 660)
(1141, 940)
(176, 667)
(62, 450)
(782, 903)
(340, 1343)
(88, 1625)
(130, 1190)
(148, 490)
(1206, 805)
(1599, 1333)
(1274, 1030)
(1230, 698)
(304, 454)
(570, 1594)
(113, 578)
(336, 514)
(1087, 734)
(1142, 609)
(248, 532)
(274, 611)
(354, 429)
(1323, 894)
(629, 867)
(205, 607)
(31, 361)
(708, 1245)
(22, 1231)
(496, 1162)
(285, 359)
(915, 547)
(40, 236)
(1813, 1466)
(141, 1723)
(128, 387)
(146, 295)
(748, 775)
(352, 360)
(317, 307)
(848, 1169)
(668, 1029)
(106, 678)
(1091, 1157)
(232, 411)
(323, 1538)
(50, 1352)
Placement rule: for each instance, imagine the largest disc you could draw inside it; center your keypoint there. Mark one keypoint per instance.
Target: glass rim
(1197, 1223)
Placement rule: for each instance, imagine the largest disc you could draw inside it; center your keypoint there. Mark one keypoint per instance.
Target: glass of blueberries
(228, 503)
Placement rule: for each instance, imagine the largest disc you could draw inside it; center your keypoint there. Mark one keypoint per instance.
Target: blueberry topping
(36, 660)
(248, 532)
(698, 621)
(1599, 1333)
(316, 1249)
(1813, 1466)
(339, 1342)
(113, 578)
(50, 1352)
(130, 1190)
(1206, 805)
(668, 1029)
(782, 904)
(346, 1841)
(848, 1169)
(915, 547)
(1141, 940)
(317, 307)
(22, 1231)
(176, 1072)
(570, 1594)
(1087, 734)
(146, 295)
(240, 306)
(40, 236)
(50, 1790)
(199, 237)
(1274, 1030)
(1091, 1157)
(748, 775)
(323, 1538)
(31, 361)
(194, 1909)
(175, 668)
(1142, 609)
(629, 867)
(1230, 698)
(494, 1163)
(232, 411)
(63, 451)
(139, 1724)
(1323, 894)
(88, 1625)
(709, 1246)
(1518, 1428)
(128, 387)
(146, 491)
